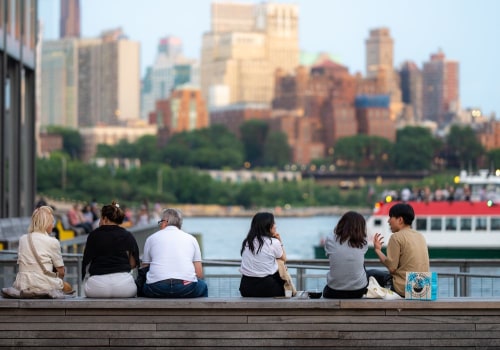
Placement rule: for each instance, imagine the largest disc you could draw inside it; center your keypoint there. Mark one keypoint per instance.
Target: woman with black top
(112, 252)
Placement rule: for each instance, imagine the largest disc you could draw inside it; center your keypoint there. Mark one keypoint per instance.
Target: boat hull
(434, 253)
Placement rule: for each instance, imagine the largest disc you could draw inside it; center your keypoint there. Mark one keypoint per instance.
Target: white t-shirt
(170, 253)
(263, 263)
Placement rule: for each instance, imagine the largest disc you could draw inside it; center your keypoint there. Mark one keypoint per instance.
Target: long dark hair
(259, 228)
(351, 228)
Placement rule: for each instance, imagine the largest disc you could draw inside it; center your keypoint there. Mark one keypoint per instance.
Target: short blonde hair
(41, 218)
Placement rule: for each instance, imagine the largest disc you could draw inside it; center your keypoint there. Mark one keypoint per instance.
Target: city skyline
(475, 46)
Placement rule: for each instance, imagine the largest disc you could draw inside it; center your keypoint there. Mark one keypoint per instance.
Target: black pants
(343, 294)
(269, 286)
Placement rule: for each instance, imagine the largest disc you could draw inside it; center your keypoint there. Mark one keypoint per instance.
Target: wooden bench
(458, 323)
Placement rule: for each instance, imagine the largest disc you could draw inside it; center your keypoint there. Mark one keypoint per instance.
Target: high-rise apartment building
(169, 71)
(69, 26)
(98, 79)
(379, 51)
(380, 67)
(59, 83)
(411, 89)
(246, 44)
(440, 89)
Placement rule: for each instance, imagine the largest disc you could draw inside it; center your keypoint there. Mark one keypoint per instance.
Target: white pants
(113, 285)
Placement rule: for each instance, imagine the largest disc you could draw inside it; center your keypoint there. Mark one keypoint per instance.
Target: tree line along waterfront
(176, 171)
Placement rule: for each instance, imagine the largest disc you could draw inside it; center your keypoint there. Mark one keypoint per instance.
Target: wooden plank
(54, 343)
(65, 326)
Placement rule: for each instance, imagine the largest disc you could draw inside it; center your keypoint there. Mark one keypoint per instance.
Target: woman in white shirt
(259, 251)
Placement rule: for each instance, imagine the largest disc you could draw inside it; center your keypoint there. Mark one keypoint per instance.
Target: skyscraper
(59, 83)
(246, 45)
(88, 82)
(440, 89)
(379, 52)
(170, 70)
(411, 88)
(70, 19)
(380, 68)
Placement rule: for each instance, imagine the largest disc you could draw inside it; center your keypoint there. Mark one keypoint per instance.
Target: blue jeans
(175, 289)
(383, 278)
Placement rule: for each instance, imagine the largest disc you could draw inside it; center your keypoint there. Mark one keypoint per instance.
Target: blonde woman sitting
(39, 255)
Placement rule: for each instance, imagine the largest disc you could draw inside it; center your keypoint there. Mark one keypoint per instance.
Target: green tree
(146, 149)
(277, 152)
(363, 152)
(494, 158)
(462, 148)
(208, 148)
(72, 140)
(415, 148)
(254, 136)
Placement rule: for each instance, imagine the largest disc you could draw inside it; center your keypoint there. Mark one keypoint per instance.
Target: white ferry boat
(458, 229)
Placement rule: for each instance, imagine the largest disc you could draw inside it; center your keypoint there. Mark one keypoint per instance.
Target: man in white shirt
(174, 260)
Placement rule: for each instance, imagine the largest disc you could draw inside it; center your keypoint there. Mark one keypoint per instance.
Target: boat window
(436, 224)
(481, 224)
(451, 224)
(377, 222)
(495, 224)
(465, 224)
(421, 225)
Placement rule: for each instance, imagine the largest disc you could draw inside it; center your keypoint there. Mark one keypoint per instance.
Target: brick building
(234, 115)
(373, 116)
(184, 110)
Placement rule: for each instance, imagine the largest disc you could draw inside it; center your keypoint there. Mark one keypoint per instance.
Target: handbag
(140, 280)
(375, 291)
(67, 288)
(285, 276)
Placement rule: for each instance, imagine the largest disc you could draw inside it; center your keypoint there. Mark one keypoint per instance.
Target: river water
(221, 238)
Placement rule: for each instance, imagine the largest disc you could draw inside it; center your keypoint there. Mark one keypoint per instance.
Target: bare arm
(60, 272)
(131, 261)
(198, 269)
(377, 246)
(278, 237)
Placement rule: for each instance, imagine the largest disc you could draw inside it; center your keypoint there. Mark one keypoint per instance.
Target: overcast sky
(465, 30)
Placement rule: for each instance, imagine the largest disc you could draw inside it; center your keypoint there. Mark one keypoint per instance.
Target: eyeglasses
(159, 222)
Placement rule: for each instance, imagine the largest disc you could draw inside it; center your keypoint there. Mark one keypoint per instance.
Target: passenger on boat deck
(406, 251)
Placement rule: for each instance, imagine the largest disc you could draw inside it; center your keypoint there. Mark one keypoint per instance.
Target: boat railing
(223, 277)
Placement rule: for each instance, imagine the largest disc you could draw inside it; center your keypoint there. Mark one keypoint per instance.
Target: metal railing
(223, 277)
